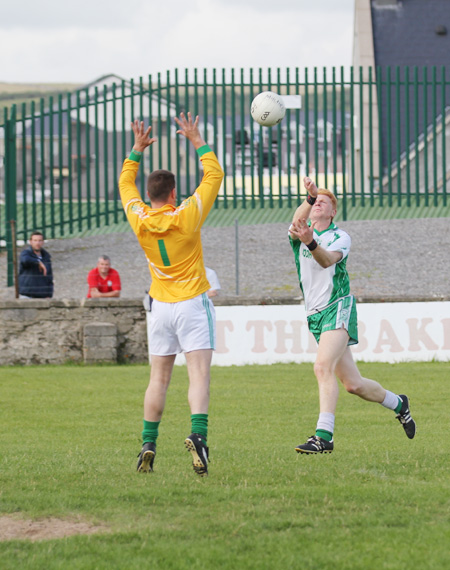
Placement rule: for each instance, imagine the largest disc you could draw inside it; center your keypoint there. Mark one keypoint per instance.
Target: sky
(55, 41)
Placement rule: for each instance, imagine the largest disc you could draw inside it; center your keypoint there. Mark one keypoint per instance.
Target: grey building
(407, 44)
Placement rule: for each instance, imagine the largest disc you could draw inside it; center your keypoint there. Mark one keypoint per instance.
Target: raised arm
(129, 194)
(302, 212)
(196, 207)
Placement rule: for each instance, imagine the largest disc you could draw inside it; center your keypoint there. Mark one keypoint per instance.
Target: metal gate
(374, 137)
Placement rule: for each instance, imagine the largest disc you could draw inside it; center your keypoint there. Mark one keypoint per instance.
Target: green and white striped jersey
(322, 286)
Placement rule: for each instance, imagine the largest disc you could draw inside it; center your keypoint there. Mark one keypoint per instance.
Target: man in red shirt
(103, 280)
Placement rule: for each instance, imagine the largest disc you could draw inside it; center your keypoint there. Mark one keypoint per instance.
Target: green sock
(326, 435)
(150, 432)
(199, 423)
(399, 407)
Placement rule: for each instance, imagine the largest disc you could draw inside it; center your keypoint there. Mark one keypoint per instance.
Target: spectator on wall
(35, 270)
(103, 280)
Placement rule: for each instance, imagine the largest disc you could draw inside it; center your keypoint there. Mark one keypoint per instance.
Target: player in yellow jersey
(183, 317)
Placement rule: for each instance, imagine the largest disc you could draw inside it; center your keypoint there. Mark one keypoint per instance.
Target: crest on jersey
(139, 209)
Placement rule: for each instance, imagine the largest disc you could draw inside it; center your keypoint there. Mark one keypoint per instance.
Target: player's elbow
(328, 263)
(327, 259)
(324, 263)
(220, 176)
(121, 183)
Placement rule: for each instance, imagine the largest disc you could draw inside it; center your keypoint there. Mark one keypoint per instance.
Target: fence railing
(374, 137)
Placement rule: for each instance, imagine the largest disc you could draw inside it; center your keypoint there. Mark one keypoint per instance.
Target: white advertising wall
(388, 332)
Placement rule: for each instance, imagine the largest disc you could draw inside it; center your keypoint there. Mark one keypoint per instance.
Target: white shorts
(182, 327)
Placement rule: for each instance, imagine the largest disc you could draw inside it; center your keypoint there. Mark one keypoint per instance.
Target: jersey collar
(332, 226)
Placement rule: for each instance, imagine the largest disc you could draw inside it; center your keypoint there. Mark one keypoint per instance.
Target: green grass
(70, 436)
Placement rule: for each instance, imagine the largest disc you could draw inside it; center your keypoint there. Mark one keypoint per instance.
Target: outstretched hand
(310, 187)
(141, 136)
(189, 129)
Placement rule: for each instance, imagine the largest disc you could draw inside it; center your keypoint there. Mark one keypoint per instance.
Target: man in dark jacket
(35, 270)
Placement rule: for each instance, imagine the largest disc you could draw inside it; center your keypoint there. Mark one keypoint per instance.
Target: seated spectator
(35, 270)
(103, 280)
(211, 275)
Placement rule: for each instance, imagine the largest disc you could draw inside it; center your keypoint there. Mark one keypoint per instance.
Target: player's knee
(353, 388)
(322, 370)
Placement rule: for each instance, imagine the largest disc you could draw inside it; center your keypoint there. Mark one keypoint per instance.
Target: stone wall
(72, 330)
(57, 331)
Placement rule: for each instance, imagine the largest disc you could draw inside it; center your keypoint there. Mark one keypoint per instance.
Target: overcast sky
(77, 42)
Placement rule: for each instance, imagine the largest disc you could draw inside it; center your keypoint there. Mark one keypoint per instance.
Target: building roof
(411, 32)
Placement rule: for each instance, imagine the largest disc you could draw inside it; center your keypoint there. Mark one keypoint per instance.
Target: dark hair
(160, 184)
(105, 258)
(36, 233)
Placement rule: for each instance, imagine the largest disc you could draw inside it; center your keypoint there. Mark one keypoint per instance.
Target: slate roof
(410, 32)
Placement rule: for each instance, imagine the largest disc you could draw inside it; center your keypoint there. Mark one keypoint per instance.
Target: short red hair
(330, 195)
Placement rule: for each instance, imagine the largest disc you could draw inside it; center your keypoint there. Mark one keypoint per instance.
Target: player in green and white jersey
(321, 250)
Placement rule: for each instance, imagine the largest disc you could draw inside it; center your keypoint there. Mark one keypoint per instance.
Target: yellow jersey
(171, 237)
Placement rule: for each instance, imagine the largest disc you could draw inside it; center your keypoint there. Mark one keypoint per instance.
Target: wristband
(312, 246)
(135, 155)
(203, 150)
(311, 200)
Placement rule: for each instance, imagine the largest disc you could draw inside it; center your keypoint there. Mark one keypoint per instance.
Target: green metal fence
(377, 138)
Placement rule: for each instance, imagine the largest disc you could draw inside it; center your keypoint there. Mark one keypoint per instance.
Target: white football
(268, 109)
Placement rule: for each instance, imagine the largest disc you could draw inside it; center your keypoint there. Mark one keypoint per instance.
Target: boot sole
(199, 467)
(312, 452)
(147, 459)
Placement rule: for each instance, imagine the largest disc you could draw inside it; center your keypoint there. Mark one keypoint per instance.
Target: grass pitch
(70, 436)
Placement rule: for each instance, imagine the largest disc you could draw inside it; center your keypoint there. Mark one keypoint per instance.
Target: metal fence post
(236, 235)
(10, 190)
(14, 253)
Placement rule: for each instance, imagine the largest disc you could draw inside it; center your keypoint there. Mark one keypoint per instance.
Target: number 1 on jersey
(163, 252)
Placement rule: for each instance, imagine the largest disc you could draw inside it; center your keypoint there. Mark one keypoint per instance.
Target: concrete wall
(58, 331)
